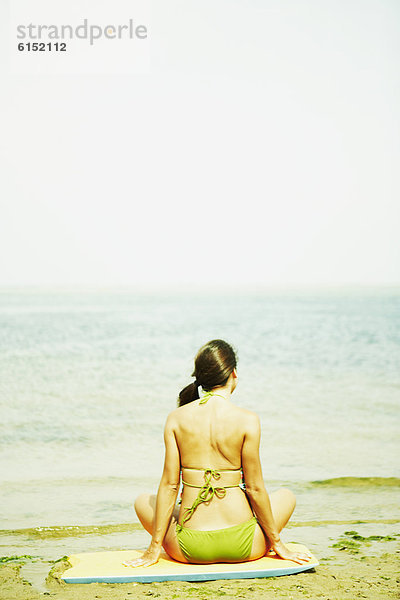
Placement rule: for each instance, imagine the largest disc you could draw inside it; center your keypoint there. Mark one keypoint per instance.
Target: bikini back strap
(206, 493)
(200, 487)
(219, 470)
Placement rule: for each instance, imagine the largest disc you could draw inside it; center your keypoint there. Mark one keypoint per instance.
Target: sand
(342, 576)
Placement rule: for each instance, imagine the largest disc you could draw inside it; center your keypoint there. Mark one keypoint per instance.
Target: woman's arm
(257, 493)
(166, 498)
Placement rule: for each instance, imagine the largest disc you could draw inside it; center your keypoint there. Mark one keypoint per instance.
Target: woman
(212, 443)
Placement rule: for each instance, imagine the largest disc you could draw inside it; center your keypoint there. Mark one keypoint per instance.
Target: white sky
(261, 147)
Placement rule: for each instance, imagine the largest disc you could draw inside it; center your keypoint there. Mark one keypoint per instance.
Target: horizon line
(144, 286)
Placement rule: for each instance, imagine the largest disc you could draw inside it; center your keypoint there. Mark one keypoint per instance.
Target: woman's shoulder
(178, 413)
(246, 417)
(249, 417)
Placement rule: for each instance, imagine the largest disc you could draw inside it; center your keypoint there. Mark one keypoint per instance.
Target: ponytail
(188, 394)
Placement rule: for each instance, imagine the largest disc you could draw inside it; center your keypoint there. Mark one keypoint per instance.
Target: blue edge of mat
(194, 576)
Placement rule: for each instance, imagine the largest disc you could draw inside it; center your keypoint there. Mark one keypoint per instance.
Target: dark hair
(213, 365)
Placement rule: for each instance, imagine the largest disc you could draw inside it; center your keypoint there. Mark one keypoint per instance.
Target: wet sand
(354, 565)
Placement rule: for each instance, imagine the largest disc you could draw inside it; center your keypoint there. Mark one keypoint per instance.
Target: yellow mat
(107, 567)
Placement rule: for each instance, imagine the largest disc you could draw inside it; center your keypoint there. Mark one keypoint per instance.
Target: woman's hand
(150, 557)
(283, 552)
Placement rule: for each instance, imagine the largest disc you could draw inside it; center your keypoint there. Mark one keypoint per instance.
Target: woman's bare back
(211, 435)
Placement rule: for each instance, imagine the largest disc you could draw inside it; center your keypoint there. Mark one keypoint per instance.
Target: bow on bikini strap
(209, 474)
(207, 492)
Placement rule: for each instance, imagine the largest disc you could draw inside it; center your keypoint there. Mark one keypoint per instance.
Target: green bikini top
(207, 490)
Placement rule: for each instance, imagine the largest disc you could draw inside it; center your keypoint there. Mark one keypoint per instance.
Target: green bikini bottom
(232, 544)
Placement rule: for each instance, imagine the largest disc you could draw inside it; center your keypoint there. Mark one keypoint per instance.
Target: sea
(88, 377)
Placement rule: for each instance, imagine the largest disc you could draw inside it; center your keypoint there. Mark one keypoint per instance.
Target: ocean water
(87, 378)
